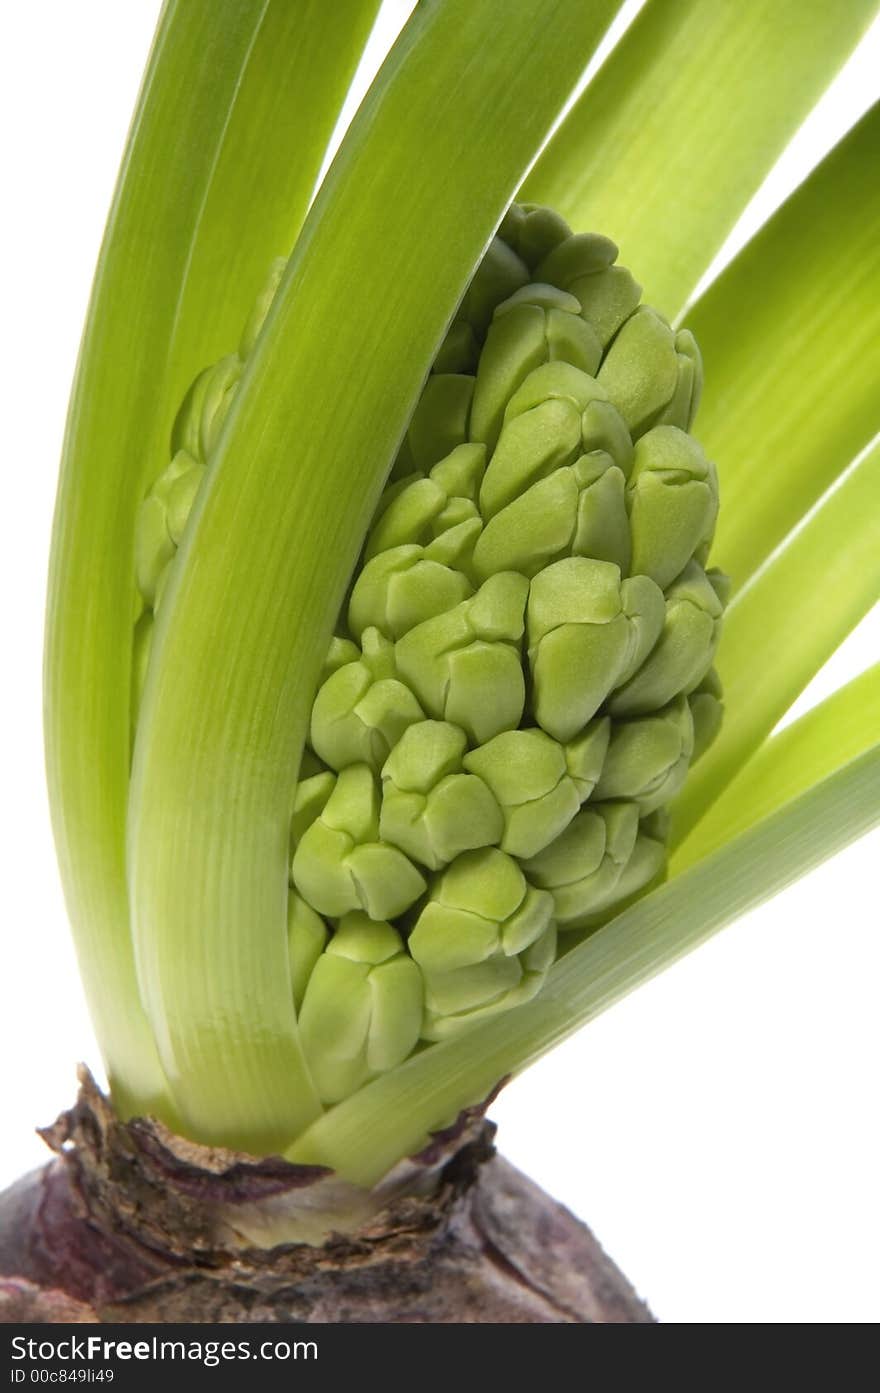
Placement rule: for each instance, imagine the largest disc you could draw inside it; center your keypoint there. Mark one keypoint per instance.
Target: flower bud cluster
(522, 674)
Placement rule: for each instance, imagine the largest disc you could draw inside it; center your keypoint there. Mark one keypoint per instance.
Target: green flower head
(521, 675)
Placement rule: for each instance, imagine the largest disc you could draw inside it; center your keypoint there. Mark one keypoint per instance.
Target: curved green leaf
(392, 1117)
(204, 201)
(681, 124)
(422, 178)
(789, 336)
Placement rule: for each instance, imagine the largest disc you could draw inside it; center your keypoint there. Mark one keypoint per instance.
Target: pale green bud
(528, 773)
(465, 666)
(538, 324)
(684, 652)
(537, 527)
(539, 295)
(586, 631)
(431, 809)
(607, 298)
(458, 531)
(480, 905)
(682, 408)
(407, 518)
(651, 373)
(362, 709)
(440, 421)
(673, 503)
(473, 937)
(362, 1010)
(456, 1001)
(603, 430)
(153, 547)
(420, 509)
(307, 936)
(181, 498)
(645, 609)
(218, 398)
(186, 431)
(262, 306)
(583, 866)
(162, 519)
(640, 372)
(403, 587)
(579, 509)
(648, 857)
(720, 583)
(340, 864)
(397, 482)
(182, 465)
(648, 757)
(460, 473)
(498, 275)
(584, 254)
(205, 408)
(542, 431)
(602, 529)
(606, 293)
(646, 863)
(533, 231)
(341, 651)
(309, 801)
(585, 756)
(160, 522)
(707, 710)
(459, 524)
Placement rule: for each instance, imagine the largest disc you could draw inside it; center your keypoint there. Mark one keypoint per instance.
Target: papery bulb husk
(130, 1223)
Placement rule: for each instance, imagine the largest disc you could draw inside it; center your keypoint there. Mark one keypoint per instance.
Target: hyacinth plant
(395, 723)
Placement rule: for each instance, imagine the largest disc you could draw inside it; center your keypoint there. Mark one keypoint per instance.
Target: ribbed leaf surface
(423, 177)
(238, 102)
(789, 337)
(682, 123)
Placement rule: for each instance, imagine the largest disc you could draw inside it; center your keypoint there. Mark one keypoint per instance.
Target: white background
(718, 1129)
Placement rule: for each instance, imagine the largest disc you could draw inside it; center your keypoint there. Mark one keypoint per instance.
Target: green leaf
(392, 1117)
(789, 337)
(838, 730)
(788, 620)
(681, 124)
(205, 200)
(462, 103)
